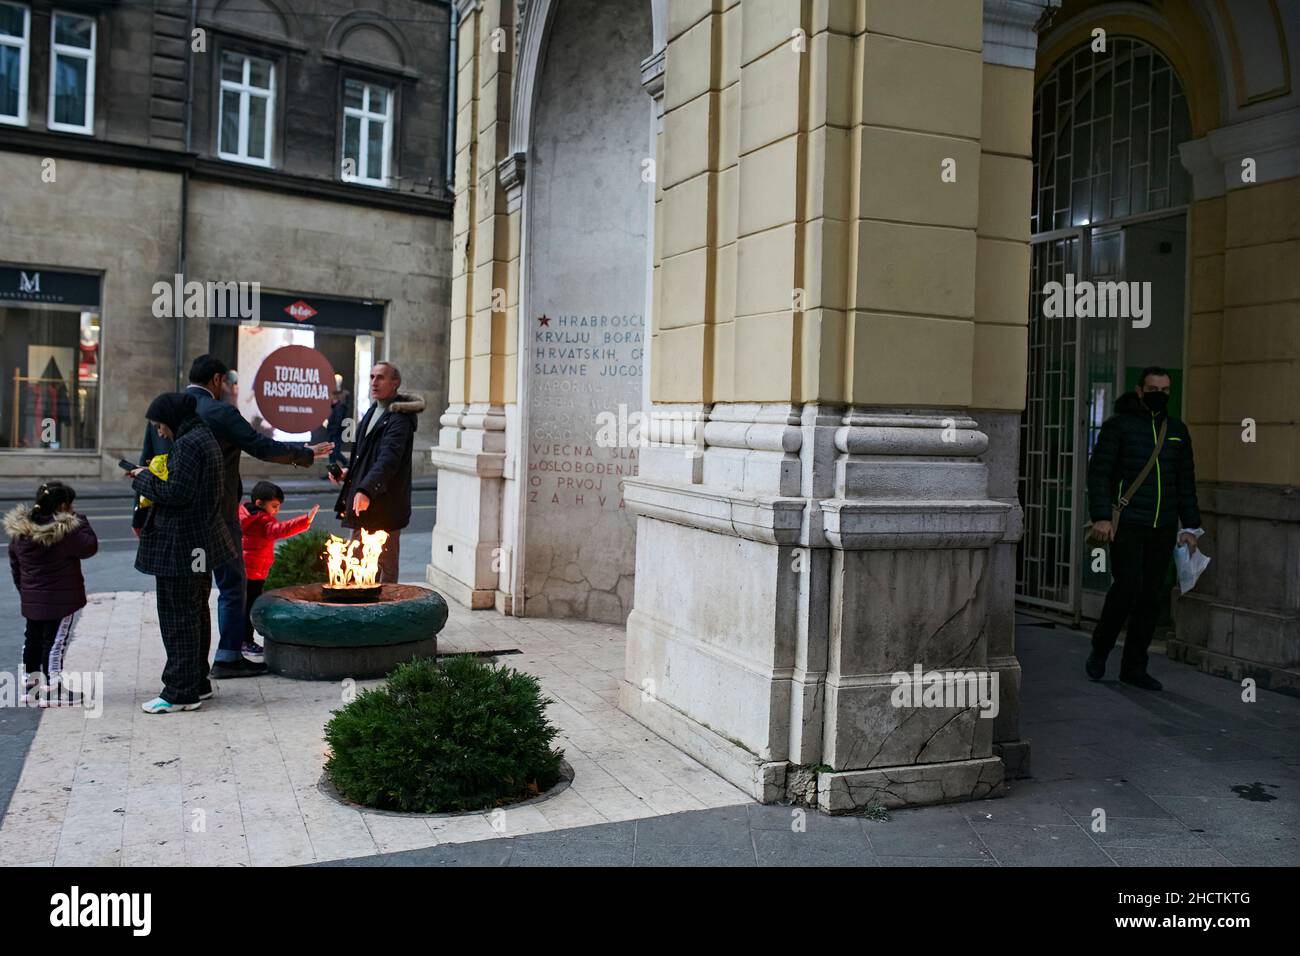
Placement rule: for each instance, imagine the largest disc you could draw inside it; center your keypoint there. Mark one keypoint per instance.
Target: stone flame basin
(311, 638)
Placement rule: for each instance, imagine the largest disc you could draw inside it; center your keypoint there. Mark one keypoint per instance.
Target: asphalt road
(113, 568)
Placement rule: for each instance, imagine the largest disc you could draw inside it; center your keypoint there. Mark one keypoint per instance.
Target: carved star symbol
(544, 320)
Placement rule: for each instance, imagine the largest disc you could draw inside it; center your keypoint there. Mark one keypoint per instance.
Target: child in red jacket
(261, 531)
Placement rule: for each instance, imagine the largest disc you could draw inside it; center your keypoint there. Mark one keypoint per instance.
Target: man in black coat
(234, 435)
(1149, 525)
(376, 492)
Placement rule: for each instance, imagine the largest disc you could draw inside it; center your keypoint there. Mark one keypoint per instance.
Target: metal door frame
(1081, 603)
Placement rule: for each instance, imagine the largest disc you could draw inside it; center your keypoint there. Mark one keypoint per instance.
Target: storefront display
(305, 347)
(49, 347)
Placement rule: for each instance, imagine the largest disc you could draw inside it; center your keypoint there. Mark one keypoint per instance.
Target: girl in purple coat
(47, 546)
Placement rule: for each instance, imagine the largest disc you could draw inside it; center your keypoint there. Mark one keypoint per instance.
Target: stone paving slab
(235, 783)
(1163, 768)
(1194, 776)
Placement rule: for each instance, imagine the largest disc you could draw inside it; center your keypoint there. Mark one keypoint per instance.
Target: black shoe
(228, 670)
(1096, 666)
(1144, 680)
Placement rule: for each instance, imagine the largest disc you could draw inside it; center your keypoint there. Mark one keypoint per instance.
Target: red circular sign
(292, 388)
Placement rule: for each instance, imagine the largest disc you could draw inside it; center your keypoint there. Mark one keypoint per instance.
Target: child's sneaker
(252, 649)
(160, 706)
(33, 688)
(59, 697)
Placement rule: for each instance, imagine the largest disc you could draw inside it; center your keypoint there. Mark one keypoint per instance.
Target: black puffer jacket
(1168, 496)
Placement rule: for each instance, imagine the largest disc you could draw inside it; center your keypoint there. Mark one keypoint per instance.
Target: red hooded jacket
(261, 531)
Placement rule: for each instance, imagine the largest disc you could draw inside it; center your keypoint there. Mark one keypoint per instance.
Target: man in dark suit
(234, 435)
(376, 492)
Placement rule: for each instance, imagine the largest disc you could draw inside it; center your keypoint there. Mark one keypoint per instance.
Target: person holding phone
(183, 540)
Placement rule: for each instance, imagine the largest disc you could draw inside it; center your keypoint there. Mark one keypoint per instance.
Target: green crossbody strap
(1127, 496)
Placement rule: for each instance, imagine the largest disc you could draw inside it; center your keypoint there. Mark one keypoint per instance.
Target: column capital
(652, 73)
(510, 173)
(1214, 160)
(1011, 30)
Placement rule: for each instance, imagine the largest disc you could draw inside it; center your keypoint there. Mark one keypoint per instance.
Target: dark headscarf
(171, 409)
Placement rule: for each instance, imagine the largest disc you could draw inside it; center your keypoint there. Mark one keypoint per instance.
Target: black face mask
(1156, 401)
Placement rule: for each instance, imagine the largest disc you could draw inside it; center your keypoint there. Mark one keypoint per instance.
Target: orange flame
(346, 569)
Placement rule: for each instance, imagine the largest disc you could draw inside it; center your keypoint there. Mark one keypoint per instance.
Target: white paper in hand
(1190, 566)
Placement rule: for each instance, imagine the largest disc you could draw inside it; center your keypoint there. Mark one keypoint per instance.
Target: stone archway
(582, 323)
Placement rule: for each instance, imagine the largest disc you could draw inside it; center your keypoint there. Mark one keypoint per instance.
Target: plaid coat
(186, 510)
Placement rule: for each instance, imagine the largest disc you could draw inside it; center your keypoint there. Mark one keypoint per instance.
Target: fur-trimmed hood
(410, 402)
(20, 524)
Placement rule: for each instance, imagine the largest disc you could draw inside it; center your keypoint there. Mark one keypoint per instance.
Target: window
(247, 108)
(49, 351)
(367, 132)
(72, 74)
(14, 22)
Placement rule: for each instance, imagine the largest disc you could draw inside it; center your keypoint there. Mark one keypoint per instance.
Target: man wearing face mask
(1160, 513)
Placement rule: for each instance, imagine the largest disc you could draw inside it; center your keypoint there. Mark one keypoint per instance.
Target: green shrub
(299, 560)
(439, 737)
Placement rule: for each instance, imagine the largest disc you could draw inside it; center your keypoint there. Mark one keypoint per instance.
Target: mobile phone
(335, 471)
(126, 465)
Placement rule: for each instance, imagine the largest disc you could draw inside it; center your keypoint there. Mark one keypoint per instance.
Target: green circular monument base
(309, 638)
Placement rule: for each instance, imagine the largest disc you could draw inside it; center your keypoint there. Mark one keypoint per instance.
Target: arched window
(1107, 127)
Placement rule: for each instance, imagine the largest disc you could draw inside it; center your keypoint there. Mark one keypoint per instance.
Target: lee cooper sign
(292, 388)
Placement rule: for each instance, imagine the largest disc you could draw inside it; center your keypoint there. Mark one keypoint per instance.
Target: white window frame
(246, 91)
(365, 115)
(58, 50)
(24, 57)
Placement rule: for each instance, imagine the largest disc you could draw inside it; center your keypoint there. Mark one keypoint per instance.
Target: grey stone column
(793, 563)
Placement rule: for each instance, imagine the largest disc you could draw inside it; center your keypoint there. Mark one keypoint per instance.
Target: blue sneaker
(160, 706)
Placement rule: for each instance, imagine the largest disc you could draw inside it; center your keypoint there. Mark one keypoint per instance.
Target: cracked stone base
(762, 780)
(918, 785)
(1015, 757)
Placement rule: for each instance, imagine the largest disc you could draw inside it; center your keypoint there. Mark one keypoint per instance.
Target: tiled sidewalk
(236, 782)
(1190, 776)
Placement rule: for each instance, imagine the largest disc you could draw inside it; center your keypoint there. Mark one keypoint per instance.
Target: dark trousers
(1139, 559)
(389, 557)
(231, 616)
(253, 592)
(186, 634)
(45, 645)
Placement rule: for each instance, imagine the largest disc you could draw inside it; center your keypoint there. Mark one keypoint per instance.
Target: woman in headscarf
(183, 538)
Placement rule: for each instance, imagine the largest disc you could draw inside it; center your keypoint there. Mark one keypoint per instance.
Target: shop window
(51, 401)
(367, 132)
(247, 108)
(15, 23)
(343, 360)
(72, 74)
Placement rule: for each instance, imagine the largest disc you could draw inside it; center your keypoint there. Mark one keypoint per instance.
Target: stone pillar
(1242, 401)
(1001, 324)
(468, 558)
(817, 518)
